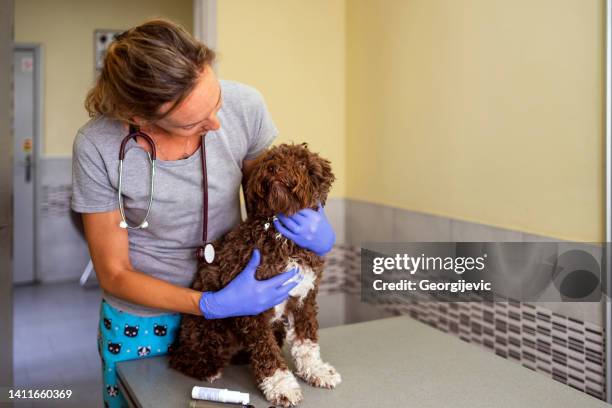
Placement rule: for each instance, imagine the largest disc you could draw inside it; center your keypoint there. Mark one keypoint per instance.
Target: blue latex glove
(247, 296)
(309, 229)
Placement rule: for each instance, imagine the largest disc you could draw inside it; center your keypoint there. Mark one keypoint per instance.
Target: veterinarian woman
(158, 78)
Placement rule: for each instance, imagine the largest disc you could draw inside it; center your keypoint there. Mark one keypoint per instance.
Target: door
(25, 126)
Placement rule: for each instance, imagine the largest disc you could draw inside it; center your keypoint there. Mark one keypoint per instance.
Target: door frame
(6, 189)
(607, 270)
(37, 137)
(205, 24)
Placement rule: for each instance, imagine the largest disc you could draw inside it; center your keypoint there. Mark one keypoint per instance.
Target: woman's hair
(146, 66)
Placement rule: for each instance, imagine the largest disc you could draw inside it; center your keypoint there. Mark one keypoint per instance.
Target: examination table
(392, 362)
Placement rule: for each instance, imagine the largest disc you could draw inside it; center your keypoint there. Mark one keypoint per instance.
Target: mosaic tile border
(566, 349)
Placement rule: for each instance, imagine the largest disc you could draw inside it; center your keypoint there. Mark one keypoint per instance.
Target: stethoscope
(205, 251)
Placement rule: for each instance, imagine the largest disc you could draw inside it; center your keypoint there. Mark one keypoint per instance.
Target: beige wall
(293, 52)
(65, 29)
(479, 110)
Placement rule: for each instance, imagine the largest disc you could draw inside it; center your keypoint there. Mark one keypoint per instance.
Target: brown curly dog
(287, 179)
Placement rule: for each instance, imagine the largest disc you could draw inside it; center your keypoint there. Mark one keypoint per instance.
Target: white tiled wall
(377, 223)
(61, 250)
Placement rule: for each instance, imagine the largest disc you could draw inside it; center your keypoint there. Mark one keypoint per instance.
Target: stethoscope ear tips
(123, 224)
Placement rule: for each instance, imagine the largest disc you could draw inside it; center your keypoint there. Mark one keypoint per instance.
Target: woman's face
(197, 114)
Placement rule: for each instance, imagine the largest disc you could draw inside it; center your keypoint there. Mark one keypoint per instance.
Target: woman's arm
(108, 246)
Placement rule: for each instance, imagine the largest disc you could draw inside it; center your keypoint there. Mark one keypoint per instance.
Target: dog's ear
(255, 187)
(321, 174)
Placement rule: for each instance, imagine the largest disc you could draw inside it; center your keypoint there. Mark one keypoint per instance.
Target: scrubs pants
(123, 336)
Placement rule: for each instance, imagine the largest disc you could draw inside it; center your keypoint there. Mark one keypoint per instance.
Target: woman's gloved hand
(309, 229)
(247, 296)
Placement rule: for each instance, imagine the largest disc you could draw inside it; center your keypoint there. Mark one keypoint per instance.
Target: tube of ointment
(219, 395)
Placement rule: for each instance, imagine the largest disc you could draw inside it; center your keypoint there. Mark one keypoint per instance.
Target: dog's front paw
(281, 388)
(310, 367)
(214, 377)
(322, 375)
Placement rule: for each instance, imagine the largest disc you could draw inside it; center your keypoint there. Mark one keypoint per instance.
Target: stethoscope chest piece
(207, 253)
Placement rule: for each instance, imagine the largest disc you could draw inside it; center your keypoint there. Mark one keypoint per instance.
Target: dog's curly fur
(288, 178)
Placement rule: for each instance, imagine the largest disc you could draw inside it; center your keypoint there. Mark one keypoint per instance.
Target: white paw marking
(212, 378)
(309, 366)
(281, 388)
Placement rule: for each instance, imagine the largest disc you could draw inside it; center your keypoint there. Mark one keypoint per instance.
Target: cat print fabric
(160, 330)
(130, 331)
(123, 336)
(114, 348)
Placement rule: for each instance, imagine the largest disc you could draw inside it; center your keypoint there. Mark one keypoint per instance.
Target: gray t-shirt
(166, 248)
